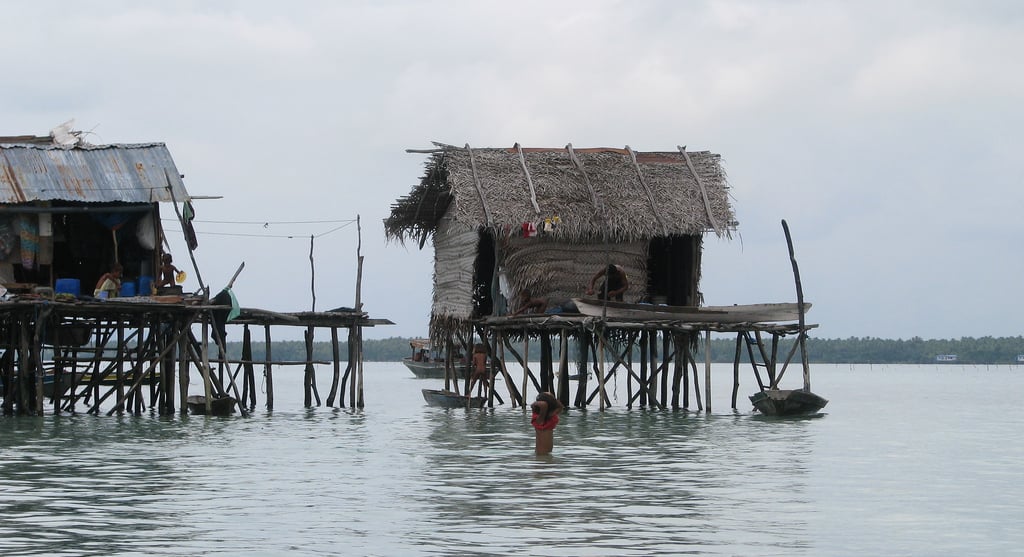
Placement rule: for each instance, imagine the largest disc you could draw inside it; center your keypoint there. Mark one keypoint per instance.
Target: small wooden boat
(49, 383)
(426, 363)
(786, 402)
(219, 405)
(431, 369)
(741, 313)
(448, 399)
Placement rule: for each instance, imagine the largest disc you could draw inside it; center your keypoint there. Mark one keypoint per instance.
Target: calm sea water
(906, 460)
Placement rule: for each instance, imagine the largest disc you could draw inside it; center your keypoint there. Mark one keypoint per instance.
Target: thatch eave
(602, 194)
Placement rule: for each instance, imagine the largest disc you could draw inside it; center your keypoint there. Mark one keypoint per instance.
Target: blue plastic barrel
(145, 286)
(127, 289)
(68, 286)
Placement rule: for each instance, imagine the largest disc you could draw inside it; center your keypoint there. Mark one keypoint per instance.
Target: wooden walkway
(134, 354)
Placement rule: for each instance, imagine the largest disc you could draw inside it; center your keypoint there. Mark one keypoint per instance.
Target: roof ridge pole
(650, 196)
(586, 179)
(479, 189)
(529, 181)
(703, 192)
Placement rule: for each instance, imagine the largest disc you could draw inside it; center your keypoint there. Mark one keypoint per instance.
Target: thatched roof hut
(589, 207)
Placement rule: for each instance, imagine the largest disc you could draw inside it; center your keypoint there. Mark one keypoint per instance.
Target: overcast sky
(887, 134)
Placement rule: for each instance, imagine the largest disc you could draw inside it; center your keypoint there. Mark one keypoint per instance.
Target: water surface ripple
(907, 460)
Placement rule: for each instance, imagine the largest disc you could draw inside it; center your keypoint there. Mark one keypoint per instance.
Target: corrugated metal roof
(125, 173)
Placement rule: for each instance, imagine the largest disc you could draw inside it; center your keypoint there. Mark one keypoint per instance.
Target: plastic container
(68, 286)
(127, 289)
(145, 286)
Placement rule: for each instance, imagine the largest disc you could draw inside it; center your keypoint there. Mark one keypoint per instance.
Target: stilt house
(547, 219)
(70, 210)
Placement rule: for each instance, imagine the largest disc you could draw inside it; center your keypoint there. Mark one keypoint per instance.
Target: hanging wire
(303, 235)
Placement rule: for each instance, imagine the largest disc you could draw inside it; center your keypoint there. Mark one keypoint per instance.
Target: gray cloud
(887, 134)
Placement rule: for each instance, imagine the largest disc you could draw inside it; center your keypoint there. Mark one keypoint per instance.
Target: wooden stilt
(736, 370)
(183, 369)
(268, 369)
(563, 368)
(643, 369)
(336, 359)
(677, 371)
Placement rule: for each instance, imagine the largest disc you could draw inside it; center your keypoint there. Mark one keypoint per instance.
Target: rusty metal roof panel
(125, 173)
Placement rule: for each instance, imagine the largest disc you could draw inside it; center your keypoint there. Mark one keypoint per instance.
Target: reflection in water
(618, 483)
(405, 479)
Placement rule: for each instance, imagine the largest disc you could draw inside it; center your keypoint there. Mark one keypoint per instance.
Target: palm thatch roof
(600, 194)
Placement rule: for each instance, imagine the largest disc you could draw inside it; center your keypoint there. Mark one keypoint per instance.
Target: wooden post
(136, 401)
(677, 370)
(249, 376)
(336, 358)
(526, 364)
(563, 368)
(665, 360)
(268, 369)
(307, 377)
(600, 364)
(119, 371)
(546, 365)
(687, 358)
(696, 384)
(629, 376)
(801, 339)
(183, 366)
(643, 369)
(205, 366)
(707, 371)
(736, 370)
(652, 394)
(583, 344)
(492, 369)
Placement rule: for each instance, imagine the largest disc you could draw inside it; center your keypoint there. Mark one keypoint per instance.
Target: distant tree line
(853, 350)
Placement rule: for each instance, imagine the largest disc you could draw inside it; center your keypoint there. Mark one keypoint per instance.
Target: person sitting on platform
(615, 284)
(110, 283)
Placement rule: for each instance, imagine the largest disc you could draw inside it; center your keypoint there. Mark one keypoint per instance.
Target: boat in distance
(448, 399)
(740, 313)
(426, 363)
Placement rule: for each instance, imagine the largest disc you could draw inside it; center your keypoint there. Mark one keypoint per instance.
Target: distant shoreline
(867, 350)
